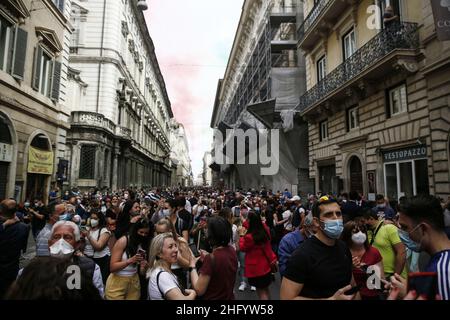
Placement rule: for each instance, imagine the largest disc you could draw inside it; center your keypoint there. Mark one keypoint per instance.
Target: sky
(193, 40)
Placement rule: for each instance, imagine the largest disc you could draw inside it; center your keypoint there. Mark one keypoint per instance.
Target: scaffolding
(274, 49)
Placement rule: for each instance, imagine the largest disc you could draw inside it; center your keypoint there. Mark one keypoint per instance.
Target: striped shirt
(440, 263)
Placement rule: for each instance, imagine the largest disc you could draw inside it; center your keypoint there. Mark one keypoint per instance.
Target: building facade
(119, 107)
(180, 155)
(262, 82)
(34, 49)
(207, 171)
(377, 100)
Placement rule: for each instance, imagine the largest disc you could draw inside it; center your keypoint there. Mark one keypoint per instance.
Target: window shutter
(20, 50)
(37, 67)
(56, 79)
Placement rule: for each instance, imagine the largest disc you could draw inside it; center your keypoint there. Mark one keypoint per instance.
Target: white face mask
(94, 223)
(359, 238)
(166, 212)
(61, 249)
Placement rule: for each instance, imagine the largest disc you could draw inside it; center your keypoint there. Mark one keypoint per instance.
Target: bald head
(8, 208)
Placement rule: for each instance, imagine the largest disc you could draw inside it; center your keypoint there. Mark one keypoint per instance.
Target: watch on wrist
(190, 269)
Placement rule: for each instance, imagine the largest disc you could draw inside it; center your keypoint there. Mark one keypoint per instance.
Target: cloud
(193, 39)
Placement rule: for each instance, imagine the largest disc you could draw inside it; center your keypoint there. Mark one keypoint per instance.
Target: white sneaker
(242, 286)
(253, 288)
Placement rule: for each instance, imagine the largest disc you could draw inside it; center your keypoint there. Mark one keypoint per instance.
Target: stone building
(377, 99)
(263, 80)
(34, 48)
(120, 110)
(182, 175)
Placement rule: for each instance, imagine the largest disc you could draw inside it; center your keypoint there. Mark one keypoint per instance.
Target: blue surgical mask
(65, 217)
(409, 243)
(333, 228)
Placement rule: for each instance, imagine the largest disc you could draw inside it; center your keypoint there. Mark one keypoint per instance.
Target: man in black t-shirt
(321, 267)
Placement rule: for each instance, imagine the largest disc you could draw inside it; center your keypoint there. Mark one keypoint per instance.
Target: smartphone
(237, 212)
(353, 290)
(142, 253)
(194, 250)
(424, 283)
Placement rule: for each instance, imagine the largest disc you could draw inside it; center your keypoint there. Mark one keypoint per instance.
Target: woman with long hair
(363, 255)
(180, 266)
(128, 259)
(129, 214)
(259, 257)
(163, 283)
(96, 246)
(215, 279)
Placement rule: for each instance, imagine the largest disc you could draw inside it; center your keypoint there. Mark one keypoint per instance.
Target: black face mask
(142, 239)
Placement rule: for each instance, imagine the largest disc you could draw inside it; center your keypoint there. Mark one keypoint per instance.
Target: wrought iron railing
(402, 35)
(312, 16)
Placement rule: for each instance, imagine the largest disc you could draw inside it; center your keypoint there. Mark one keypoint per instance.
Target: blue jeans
(241, 257)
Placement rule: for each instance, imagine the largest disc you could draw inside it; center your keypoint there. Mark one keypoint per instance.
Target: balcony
(123, 133)
(92, 119)
(390, 47)
(283, 14)
(319, 19)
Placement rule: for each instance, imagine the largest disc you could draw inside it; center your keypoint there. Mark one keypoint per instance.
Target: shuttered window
(6, 43)
(46, 74)
(13, 48)
(20, 51)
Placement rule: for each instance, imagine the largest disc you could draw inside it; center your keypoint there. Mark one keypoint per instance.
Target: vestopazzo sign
(441, 12)
(405, 154)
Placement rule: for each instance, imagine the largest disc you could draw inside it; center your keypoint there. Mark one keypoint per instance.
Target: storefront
(7, 159)
(406, 172)
(39, 168)
(6, 152)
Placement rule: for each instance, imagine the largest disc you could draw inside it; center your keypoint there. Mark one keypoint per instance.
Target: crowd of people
(187, 244)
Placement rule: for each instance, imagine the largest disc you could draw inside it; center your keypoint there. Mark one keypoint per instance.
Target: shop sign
(6, 152)
(410, 153)
(40, 161)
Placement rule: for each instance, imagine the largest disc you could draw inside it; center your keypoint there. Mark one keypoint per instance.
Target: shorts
(261, 282)
(122, 288)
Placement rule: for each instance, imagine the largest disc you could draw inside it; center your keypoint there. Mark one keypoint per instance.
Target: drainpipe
(101, 56)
